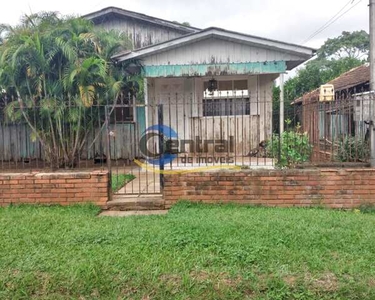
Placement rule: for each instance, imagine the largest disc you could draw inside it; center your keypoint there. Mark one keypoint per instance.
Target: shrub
(353, 149)
(367, 208)
(293, 148)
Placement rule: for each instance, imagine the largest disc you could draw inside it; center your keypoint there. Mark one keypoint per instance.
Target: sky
(288, 20)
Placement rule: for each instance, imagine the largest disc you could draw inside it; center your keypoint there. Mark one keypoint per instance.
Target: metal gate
(131, 172)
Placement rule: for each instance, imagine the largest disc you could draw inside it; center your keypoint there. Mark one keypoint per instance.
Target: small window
(231, 98)
(122, 115)
(124, 111)
(226, 107)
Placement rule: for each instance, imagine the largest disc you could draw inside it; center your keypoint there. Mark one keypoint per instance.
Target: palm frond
(87, 95)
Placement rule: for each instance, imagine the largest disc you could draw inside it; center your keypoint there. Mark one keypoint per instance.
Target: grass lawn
(119, 180)
(194, 252)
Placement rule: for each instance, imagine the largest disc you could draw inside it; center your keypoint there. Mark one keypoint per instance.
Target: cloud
(288, 20)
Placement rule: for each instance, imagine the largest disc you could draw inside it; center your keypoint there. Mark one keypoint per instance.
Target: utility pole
(372, 81)
(282, 102)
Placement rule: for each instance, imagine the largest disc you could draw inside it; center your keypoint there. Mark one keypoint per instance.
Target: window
(122, 115)
(124, 111)
(232, 98)
(226, 107)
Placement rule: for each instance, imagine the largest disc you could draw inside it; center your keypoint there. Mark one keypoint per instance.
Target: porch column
(281, 103)
(145, 90)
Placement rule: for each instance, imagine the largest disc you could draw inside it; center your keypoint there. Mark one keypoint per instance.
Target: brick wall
(335, 188)
(54, 188)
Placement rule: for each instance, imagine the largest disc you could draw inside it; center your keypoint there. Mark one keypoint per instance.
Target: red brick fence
(335, 188)
(54, 188)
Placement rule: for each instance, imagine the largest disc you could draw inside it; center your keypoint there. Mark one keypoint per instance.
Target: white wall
(183, 110)
(214, 50)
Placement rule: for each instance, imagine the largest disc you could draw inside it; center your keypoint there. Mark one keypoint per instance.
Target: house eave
(204, 70)
(304, 52)
(98, 16)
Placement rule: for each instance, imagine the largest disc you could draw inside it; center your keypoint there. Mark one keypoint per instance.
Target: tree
(53, 70)
(337, 56)
(354, 45)
(183, 23)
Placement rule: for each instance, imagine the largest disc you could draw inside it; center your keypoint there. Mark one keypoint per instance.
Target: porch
(238, 111)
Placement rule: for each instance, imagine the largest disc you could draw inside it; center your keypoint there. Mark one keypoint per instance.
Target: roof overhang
(202, 70)
(98, 16)
(304, 53)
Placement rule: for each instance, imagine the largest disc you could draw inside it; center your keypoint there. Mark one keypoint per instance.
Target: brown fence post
(161, 145)
(108, 152)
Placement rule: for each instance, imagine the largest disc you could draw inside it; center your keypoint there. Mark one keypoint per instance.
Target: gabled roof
(98, 16)
(350, 79)
(302, 51)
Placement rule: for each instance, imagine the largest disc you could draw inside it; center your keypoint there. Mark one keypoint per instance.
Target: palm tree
(56, 71)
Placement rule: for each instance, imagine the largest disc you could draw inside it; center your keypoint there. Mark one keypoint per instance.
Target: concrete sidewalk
(144, 183)
(133, 213)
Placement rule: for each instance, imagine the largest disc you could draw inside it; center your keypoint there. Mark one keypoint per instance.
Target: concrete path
(133, 213)
(144, 183)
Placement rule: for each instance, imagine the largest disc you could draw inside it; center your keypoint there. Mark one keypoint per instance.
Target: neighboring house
(354, 81)
(142, 30)
(346, 115)
(213, 83)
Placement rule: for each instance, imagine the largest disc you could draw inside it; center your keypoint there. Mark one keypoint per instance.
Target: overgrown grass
(119, 180)
(194, 252)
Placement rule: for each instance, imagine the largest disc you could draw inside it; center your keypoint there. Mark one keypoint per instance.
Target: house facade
(213, 83)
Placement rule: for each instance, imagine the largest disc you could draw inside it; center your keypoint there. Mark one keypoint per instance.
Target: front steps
(123, 214)
(136, 203)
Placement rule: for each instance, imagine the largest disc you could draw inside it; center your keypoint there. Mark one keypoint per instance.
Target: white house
(213, 83)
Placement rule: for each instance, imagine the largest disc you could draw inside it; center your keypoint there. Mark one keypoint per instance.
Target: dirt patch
(172, 280)
(371, 282)
(262, 281)
(326, 282)
(95, 294)
(127, 292)
(220, 280)
(200, 275)
(290, 280)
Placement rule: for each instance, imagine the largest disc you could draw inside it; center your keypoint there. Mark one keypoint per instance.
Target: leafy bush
(293, 148)
(367, 208)
(353, 149)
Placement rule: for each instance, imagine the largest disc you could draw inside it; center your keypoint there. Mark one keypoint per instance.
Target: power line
(330, 21)
(340, 16)
(314, 33)
(333, 19)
